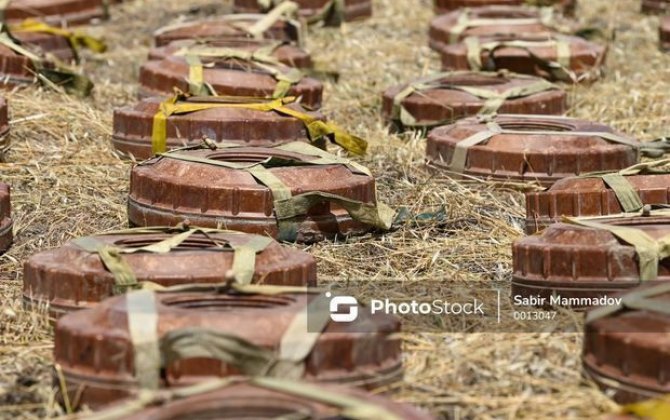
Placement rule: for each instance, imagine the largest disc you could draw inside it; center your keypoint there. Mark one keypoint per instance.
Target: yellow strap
(657, 409)
(316, 129)
(77, 39)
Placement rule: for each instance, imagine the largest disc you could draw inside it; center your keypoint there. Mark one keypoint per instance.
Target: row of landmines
(272, 185)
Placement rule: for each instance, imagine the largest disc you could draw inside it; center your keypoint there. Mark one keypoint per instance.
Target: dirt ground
(67, 182)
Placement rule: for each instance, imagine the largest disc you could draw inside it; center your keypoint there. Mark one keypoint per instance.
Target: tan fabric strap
(559, 69)
(458, 160)
(493, 98)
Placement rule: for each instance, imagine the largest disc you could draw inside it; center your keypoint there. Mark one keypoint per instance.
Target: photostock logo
(337, 302)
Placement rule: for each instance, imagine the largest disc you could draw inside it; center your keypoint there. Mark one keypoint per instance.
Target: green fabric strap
(626, 195)
(285, 76)
(460, 157)
(287, 206)
(647, 168)
(143, 328)
(249, 359)
(458, 161)
(635, 300)
(559, 69)
(649, 251)
(244, 259)
(56, 76)
(493, 98)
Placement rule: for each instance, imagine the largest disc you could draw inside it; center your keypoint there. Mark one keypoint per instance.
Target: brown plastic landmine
(568, 7)
(450, 104)
(6, 223)
(165, 192)
(56, 12)
(353, 9)
(664, 33)
(4, 128)
(133, 127)
(627, 353)
(94, 348)
(238, 400)
(69, 278)
(446, 6)
(228, 77)
(657, 7)
(576, 262)
(539, 158)
(287, 54)
(441, 27)
(17, 69)
(589, 197)
(585, 57)
(223, 29)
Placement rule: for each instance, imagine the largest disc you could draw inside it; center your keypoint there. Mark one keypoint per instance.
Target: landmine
(529, 148)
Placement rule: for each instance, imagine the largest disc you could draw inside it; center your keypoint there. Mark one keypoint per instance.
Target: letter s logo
(337, 302)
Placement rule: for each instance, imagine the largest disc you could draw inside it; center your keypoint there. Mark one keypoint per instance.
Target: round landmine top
(591, 196)
(229, 77)
(453, 27)
(284, 53)
(229, 26)
(528, 148)
(568, 7)
(627, 348)
(579, 265)
(447, 97)
(55, 12)
(446, 6)
(18, 69)
(95, 347)
(271, 399)
(555, 57)
(134, 126)
(170, 189)
(75, 276)
(313, 9)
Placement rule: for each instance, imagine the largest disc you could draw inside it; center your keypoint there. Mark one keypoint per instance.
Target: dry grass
(66, 183)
